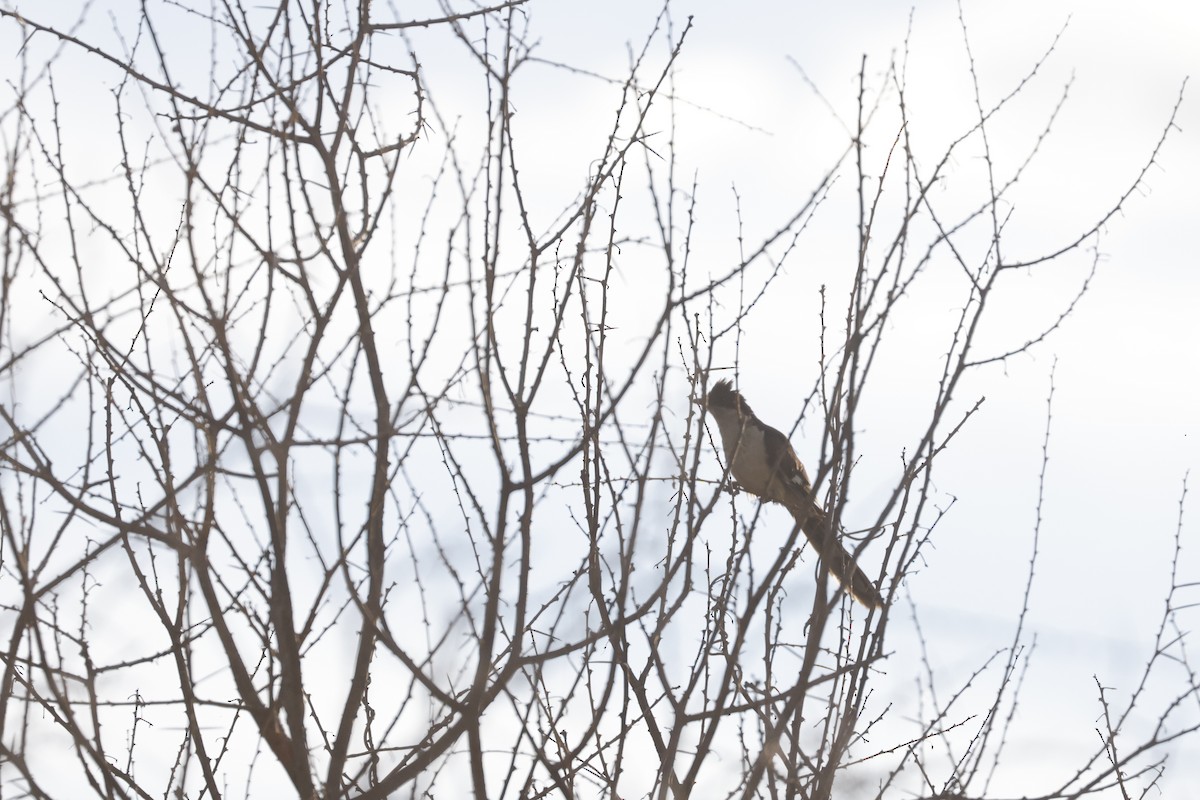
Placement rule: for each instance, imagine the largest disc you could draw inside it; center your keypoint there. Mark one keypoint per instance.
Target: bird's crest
(723, 395)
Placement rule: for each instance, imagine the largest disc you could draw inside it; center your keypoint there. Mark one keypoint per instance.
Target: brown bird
(762, 461)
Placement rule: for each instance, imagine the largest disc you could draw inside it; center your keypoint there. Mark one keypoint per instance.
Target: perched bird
(762, 461)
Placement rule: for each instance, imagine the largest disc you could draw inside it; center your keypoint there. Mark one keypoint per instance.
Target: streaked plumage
(762, 461)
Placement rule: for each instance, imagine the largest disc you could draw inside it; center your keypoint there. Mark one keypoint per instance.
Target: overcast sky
(1126, 425)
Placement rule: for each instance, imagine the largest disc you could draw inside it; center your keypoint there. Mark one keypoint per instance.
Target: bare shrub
(341, 454)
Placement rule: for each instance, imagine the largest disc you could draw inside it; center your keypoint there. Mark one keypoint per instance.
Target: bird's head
(722, 397)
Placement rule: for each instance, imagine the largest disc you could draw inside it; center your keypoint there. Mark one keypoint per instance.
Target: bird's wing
(785, 466)
(791, 486)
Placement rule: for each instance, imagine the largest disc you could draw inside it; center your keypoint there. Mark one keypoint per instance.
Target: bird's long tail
(815, 524)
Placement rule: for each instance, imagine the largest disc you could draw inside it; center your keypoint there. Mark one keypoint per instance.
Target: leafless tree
(338, 459)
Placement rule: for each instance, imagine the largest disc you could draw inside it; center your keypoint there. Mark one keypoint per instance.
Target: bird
(763, 462)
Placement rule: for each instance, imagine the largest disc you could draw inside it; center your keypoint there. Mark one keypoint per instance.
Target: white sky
(1126, 421)
(1126, 426)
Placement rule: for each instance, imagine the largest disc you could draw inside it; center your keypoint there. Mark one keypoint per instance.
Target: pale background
(1125, 422)
(1126, 425)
